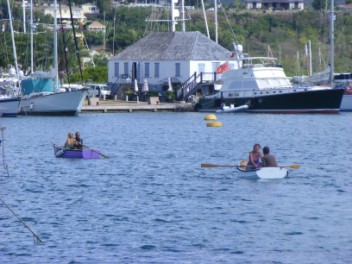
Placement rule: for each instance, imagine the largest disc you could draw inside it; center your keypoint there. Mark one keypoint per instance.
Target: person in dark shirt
(79, 141)
(268, 160)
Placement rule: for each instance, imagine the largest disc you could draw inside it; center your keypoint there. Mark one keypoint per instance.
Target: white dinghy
(263, 173)
(272, 173)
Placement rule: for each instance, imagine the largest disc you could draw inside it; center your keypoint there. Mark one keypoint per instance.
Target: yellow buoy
(210, 117)
(214, 124)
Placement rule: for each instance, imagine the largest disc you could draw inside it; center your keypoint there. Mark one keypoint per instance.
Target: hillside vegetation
(284, 36)
(281, 34)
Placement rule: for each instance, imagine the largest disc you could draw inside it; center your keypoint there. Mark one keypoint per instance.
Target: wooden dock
(109, 106)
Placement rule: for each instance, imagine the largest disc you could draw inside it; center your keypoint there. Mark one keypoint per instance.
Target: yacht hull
(305, 101)
(346, 104)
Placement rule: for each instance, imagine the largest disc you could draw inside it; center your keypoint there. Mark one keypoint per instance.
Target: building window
(214, 66)
(146, 70)
(156, 69)
(125, 68)
(177, 69)
(201, 68)
(116, 70)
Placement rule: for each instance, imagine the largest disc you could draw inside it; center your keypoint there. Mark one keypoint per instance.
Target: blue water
(151, 202)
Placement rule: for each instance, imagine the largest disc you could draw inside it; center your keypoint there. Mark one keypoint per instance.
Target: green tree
(92, 74)
(104, 6)
(320, 4)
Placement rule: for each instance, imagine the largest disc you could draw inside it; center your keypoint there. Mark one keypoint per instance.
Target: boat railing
(259, 65)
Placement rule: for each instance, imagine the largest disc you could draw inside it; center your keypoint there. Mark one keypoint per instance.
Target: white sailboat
(41, 92)
(9, 98)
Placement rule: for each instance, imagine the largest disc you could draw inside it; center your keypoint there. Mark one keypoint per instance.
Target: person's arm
(275, 161)
(264, 163)
(252, 160)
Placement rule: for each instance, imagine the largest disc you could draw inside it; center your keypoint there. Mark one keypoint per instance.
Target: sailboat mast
(56, 83)
(205, 19)
(31, 25)
(183, 15)
(24, 15)
(216, 20)
(332, 47)
(173, 23)
(13, 40)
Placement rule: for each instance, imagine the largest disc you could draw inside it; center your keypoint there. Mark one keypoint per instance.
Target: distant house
(163, 55)
(64, 13)
(346, 8)
(96, 26)
(275, 4)
(116, 3)
(90, 8)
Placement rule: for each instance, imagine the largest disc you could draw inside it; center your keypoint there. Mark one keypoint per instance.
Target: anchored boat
(259, 84)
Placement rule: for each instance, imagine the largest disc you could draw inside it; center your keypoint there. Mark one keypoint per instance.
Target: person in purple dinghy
(79, 141)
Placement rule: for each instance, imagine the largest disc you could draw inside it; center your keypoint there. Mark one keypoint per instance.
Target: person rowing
(268, 160)
(79, 141)
(254, 158)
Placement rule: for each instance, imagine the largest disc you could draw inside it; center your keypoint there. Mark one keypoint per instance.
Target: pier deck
(108, 106)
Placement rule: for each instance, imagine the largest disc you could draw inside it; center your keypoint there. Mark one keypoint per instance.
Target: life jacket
(222, 68)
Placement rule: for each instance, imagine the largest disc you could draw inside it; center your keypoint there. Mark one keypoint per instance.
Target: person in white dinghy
(268, 160)
(254, 159)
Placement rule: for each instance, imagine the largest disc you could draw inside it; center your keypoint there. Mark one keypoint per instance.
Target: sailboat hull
(53, 103)
(313, 101)
(9, 107)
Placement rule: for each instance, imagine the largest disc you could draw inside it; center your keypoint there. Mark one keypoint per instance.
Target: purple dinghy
(60, 152)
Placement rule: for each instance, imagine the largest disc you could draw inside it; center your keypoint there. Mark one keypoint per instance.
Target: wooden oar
(101, 154)
(207, 165)
(293, 166)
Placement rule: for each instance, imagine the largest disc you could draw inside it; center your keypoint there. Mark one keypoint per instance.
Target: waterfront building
(163, 55)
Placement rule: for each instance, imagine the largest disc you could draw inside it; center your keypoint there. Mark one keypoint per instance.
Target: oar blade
(294, 166)
(207, 165)
(104, 156)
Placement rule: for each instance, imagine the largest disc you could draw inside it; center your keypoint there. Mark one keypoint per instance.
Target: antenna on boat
(175, 16)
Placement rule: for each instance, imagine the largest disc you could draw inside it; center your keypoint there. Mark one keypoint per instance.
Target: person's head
(70, 135)
(266, 150)
(78, 134)
(256, 147)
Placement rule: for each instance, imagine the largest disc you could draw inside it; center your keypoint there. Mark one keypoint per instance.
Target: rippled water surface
(151, 202)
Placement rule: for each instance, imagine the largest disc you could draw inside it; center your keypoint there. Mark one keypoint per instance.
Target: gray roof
(179, 46)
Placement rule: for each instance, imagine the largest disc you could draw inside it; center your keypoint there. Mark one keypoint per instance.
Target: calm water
(150, 202)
